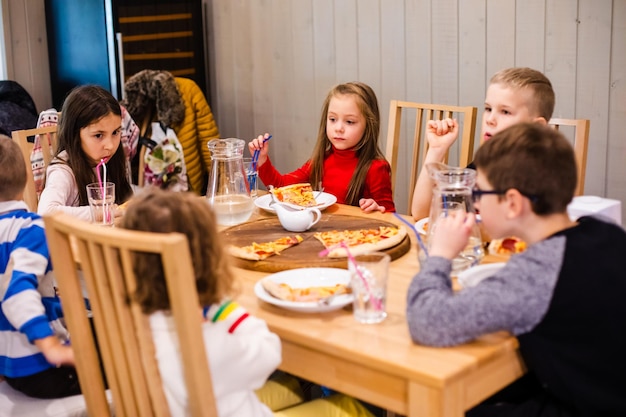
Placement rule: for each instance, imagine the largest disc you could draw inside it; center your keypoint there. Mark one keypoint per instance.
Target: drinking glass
(252, 175)
(368, 279)
(102, 202)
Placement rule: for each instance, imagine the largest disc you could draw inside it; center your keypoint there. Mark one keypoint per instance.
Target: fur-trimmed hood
(150, 89)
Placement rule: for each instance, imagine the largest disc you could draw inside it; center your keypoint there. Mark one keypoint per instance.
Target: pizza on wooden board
(285, 292)
(361, 241)
(298, 194)
(259, 251)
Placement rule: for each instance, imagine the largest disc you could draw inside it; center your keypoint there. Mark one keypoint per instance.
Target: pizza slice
(361, 241)
(298, 194)
(284, 291)
(259, 251)
(507, 246)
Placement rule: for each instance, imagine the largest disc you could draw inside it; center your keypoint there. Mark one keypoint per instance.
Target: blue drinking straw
(417, 234)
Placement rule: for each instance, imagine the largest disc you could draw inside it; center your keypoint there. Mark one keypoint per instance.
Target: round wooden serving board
(305, 254)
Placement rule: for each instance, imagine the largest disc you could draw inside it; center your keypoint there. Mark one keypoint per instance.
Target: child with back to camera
(31, 335)
(346, 159)
(242, 352)
(562, 297)
(514, 95)
(89, 134)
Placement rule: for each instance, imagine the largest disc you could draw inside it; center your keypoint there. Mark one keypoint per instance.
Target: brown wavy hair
(83, 106)
(367, 149)
(162, 211)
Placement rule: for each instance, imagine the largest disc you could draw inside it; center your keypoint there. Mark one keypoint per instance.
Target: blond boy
(31, 351)
(514, 95)
(562, 297)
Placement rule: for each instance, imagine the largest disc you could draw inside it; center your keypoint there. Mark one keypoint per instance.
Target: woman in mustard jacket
(178, 103)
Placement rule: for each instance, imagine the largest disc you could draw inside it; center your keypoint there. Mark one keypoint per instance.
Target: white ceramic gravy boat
(297, 219)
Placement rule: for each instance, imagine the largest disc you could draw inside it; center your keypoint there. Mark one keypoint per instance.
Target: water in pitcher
(227, 190)
(232, 209)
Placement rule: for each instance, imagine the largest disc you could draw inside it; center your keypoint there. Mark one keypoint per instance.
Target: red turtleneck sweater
(339, 167)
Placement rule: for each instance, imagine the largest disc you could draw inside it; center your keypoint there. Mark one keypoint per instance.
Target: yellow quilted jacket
(196, 130)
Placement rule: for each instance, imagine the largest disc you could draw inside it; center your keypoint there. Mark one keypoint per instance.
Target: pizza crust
(300, 194)
(370, 247)
(240, 252)
(285, 292)
(272, 248)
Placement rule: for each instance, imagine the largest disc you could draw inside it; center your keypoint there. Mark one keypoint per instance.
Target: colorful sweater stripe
(229, 312)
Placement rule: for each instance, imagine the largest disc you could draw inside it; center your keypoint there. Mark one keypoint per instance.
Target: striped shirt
(29, 306)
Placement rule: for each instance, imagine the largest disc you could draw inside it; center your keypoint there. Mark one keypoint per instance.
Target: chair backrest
(424, 112)
(581, 139)
(48, 141)
(105, 256)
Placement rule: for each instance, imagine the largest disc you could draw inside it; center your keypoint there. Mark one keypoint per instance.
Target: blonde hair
(13, 171)
(162, 211)
(543, 98)
(367, 149)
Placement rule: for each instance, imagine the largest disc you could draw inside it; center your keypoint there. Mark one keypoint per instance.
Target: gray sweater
(565, 300)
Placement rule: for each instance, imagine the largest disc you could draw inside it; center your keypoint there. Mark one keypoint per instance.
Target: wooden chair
(581, 140)
(425, 112)
(21, 137)
(123, 332)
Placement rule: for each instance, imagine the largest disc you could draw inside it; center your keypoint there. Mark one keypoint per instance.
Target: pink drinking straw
(102, 183)
(375, 301)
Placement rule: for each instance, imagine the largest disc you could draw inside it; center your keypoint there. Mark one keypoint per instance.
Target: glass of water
(102, 202)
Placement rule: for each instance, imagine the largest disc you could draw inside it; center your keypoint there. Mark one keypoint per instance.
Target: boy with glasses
(562, 297)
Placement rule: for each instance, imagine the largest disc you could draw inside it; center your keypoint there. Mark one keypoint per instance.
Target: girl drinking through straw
(346, 159)
(89, 137)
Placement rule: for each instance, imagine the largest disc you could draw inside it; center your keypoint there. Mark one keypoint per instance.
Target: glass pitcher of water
(453, 192)
(227, 191)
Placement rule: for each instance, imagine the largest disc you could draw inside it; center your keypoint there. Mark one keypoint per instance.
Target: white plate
(307, 277)
(419, 226)
(323, 200)
(472, 276)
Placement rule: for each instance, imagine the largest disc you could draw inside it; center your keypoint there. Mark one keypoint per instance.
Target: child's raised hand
(441, 133)
(261, 144)
(368, 205)
(452, 234)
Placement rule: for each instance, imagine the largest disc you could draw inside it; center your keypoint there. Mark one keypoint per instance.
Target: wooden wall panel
(530, 33)
(616, 123)
(27, 49)
(473, 75)
(561, 54)
(592, 85)
(307, 104)
(273, 61)
(260, 20)
(500, 35)
(427, 50)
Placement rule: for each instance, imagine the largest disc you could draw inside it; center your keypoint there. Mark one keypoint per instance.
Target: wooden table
(379, 363)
